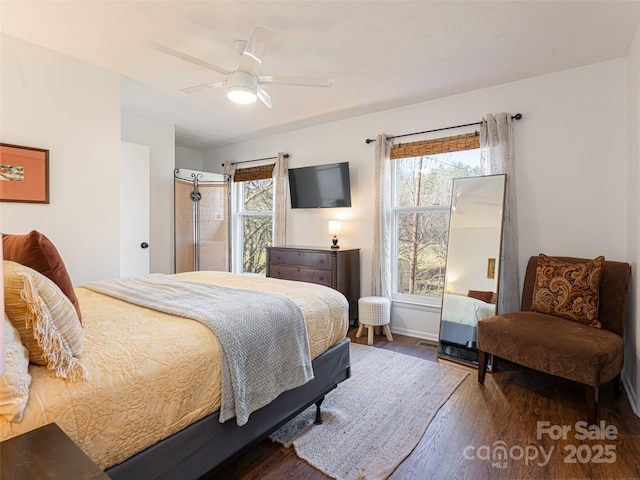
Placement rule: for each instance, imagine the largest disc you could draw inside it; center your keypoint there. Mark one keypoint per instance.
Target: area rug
(373, 420)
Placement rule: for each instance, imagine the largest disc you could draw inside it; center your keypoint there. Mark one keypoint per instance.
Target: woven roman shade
(254, 173)
(468, 141)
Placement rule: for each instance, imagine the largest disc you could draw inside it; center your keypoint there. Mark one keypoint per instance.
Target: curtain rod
(517, 116)
(286, 155)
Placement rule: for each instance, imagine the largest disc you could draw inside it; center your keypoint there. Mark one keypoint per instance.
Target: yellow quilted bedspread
(151, 374)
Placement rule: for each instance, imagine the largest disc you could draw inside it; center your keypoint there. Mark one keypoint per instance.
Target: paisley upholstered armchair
(577, 336)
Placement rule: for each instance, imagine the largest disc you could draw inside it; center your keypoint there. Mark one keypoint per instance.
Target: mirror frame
(440, 353)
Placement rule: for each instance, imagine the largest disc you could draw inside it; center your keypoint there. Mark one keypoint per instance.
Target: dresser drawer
(301, 274)
(305, 259)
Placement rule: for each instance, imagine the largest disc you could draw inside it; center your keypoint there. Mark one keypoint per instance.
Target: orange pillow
(568, 290)
(486, 297)
(36, 251)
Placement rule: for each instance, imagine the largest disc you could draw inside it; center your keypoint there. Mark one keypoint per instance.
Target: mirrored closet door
(472, 268)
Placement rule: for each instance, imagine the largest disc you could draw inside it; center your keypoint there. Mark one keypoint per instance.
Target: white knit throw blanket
(263, 337)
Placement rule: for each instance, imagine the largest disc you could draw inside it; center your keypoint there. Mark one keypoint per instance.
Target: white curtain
(229, 171)
(381, 261)
(497, 156)
(280, 201)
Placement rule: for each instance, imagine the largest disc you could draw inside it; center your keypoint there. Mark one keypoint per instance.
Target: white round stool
(374, 312)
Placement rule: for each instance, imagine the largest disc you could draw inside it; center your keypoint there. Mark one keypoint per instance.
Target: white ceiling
(381, 54)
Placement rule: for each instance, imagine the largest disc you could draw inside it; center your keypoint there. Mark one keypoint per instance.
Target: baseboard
(631, 394)
(414, 333)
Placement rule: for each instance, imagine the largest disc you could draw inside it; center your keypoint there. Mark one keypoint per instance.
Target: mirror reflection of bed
(472, 269)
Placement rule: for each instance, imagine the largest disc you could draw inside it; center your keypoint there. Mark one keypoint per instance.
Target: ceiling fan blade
(297, 81)
(183, 56)
(255, 49)
(264, 97)
(204, 86)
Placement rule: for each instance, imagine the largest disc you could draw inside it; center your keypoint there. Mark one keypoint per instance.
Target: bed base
(459, 334)
(196, 451)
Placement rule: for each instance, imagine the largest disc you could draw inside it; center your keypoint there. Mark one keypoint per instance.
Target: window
(422, 174)
(253, 225)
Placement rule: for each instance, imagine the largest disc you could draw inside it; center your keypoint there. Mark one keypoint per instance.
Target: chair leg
(617, 388)
(483, 361)
(360, 330)
(387, 332)
(591, 398)
(370, 335)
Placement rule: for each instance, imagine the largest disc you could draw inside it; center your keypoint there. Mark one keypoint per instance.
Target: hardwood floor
(478, 419)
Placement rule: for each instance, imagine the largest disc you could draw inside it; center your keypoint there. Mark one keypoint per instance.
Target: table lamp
(335, 227)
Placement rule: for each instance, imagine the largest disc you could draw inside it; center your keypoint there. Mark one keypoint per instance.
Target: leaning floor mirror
(473, 264)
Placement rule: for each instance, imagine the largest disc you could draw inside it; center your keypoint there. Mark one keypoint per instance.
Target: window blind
(468, 141)
(249, 174)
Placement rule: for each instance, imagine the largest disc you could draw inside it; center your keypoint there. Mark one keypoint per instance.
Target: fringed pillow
(568, 290)
(15, 380)
(45, 319)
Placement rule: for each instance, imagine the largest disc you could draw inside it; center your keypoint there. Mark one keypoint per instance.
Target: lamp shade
(241, 95)
(335, 227)
(242, 87)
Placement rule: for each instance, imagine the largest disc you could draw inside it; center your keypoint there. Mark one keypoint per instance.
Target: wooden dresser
(338, 269)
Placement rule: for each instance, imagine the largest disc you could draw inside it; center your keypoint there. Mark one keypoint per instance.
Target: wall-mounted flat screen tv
(320, 186)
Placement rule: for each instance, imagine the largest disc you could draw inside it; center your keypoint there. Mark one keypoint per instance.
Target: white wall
(631, 371)
(189, 158)
(570, 153)
(73, 109)
(159, 136)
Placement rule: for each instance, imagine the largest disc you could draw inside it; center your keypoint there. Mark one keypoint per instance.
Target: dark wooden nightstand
(46, 453)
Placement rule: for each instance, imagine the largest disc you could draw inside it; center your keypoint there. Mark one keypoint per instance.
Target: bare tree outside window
(421, 208)
(257, 224)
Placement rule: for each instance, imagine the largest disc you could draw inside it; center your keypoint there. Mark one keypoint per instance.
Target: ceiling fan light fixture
(242, 87)
(241, 95)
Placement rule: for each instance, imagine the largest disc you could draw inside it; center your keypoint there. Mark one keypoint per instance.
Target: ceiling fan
(244, 84)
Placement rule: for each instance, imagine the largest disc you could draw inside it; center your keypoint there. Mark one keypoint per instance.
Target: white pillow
(15, 381)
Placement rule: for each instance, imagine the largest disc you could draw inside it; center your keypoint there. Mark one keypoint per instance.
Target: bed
(460, 317)
(150, 406)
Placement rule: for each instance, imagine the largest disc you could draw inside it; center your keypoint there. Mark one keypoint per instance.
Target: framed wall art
(24, 174)
(491, 268)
